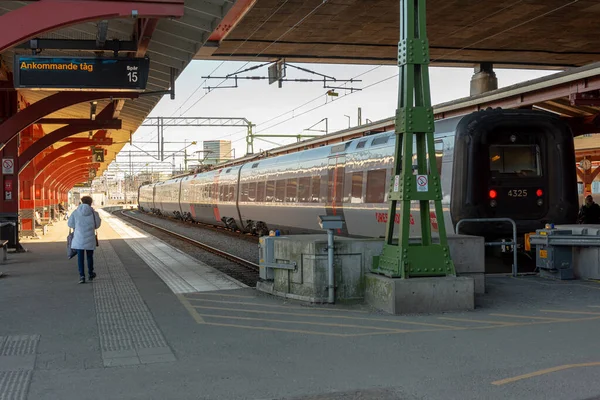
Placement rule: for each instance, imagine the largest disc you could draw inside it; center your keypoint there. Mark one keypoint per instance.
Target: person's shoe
(92, 276)
(82, 280)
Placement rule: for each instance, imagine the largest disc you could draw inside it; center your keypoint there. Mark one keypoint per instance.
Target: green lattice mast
(414, 120)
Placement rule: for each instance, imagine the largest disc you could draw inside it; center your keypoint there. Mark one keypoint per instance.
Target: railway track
(236, 234)
(223, 254)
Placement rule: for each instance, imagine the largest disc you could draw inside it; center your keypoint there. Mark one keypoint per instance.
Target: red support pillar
(9, 203)
(27, 201)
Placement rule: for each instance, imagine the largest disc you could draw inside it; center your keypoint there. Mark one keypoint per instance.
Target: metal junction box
(554, 261)
(266, 256)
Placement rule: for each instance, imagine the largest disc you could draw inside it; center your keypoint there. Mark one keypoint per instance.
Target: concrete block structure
(308, 280)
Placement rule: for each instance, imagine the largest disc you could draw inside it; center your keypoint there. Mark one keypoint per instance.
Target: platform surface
(157, 324)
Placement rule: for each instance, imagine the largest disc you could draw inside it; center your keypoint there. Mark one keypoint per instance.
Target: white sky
(261, 103)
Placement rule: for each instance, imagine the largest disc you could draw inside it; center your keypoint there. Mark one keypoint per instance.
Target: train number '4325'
(517, 193)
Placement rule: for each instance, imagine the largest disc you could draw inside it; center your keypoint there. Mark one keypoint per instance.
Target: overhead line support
(403, 258)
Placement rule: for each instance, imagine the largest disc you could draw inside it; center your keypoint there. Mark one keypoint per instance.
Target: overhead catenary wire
(445, 55)
(221, 64)
(297, 24)
(395, 75)
(298, 107)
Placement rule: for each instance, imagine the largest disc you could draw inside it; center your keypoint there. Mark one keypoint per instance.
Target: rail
(201, 245)
(513, 243)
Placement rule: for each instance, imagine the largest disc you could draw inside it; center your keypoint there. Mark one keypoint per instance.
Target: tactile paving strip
(21, 345)
(17, 360)
(125, 324)
(14, 384)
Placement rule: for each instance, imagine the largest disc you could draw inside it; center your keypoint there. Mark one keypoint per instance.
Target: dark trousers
(90, 262)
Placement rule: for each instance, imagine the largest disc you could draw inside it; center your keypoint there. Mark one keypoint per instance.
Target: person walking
(84, 220)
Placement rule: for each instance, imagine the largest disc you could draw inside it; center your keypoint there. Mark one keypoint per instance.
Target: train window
(244, 194)
(518, 160)
(380, 140)
(292, 190)
(254, 165)
(339, 147)
(270, 191)
(260, 192)
(228, 170)
(231, 196)
(280, 190)
(361, 144)
(222, 193)
(304, 190)
(357, 188)
(316, 189)
(252, 191)
(376, 186)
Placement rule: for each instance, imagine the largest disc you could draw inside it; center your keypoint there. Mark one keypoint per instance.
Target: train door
(336, 172)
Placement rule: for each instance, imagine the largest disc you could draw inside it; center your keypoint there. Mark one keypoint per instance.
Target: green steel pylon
(414, 120)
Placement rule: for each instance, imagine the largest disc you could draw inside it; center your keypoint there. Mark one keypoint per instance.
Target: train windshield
(516, 160)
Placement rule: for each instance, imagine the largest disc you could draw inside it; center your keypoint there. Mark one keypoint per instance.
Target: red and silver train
(493, 163)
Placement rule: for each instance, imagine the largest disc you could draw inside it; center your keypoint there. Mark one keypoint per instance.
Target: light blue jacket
(84, 221)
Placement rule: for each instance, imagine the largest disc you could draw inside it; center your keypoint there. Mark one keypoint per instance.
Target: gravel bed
(246, 248)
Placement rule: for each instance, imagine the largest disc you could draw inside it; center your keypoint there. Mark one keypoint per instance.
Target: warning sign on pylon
(8, 166)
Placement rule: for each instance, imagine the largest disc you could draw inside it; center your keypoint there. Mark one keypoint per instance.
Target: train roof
(350, 146)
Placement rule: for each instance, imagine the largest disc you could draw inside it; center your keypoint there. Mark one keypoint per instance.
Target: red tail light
(539, 192)
(493, 194)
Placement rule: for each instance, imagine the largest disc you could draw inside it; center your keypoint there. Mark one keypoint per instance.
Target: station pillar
(484, 80)
(9, 176)
(27, 201)
(403, 258)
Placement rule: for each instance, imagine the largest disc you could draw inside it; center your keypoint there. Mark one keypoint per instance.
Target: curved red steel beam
(79, 174)
(58, 174)
(83, 167)
(67, 184)
(72, 178)
(61, 151)
(43, 16)
(40, 145)
(11, 127)
(103, 120)
(59, 165)
(65, 162)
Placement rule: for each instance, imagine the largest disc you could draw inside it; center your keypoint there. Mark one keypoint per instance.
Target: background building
(216, 151)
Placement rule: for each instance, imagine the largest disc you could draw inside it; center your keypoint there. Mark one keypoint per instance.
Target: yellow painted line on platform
(571, 312)
(477, 321)
(329, 316)
(275, 306)
(392, 332)
(544, 372)
(264, 328)
(530, 317)
(190, 309)
(307, 323)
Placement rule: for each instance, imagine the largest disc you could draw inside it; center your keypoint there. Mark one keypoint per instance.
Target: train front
(517, 164)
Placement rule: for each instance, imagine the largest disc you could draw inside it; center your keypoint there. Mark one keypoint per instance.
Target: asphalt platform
(156, 324)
